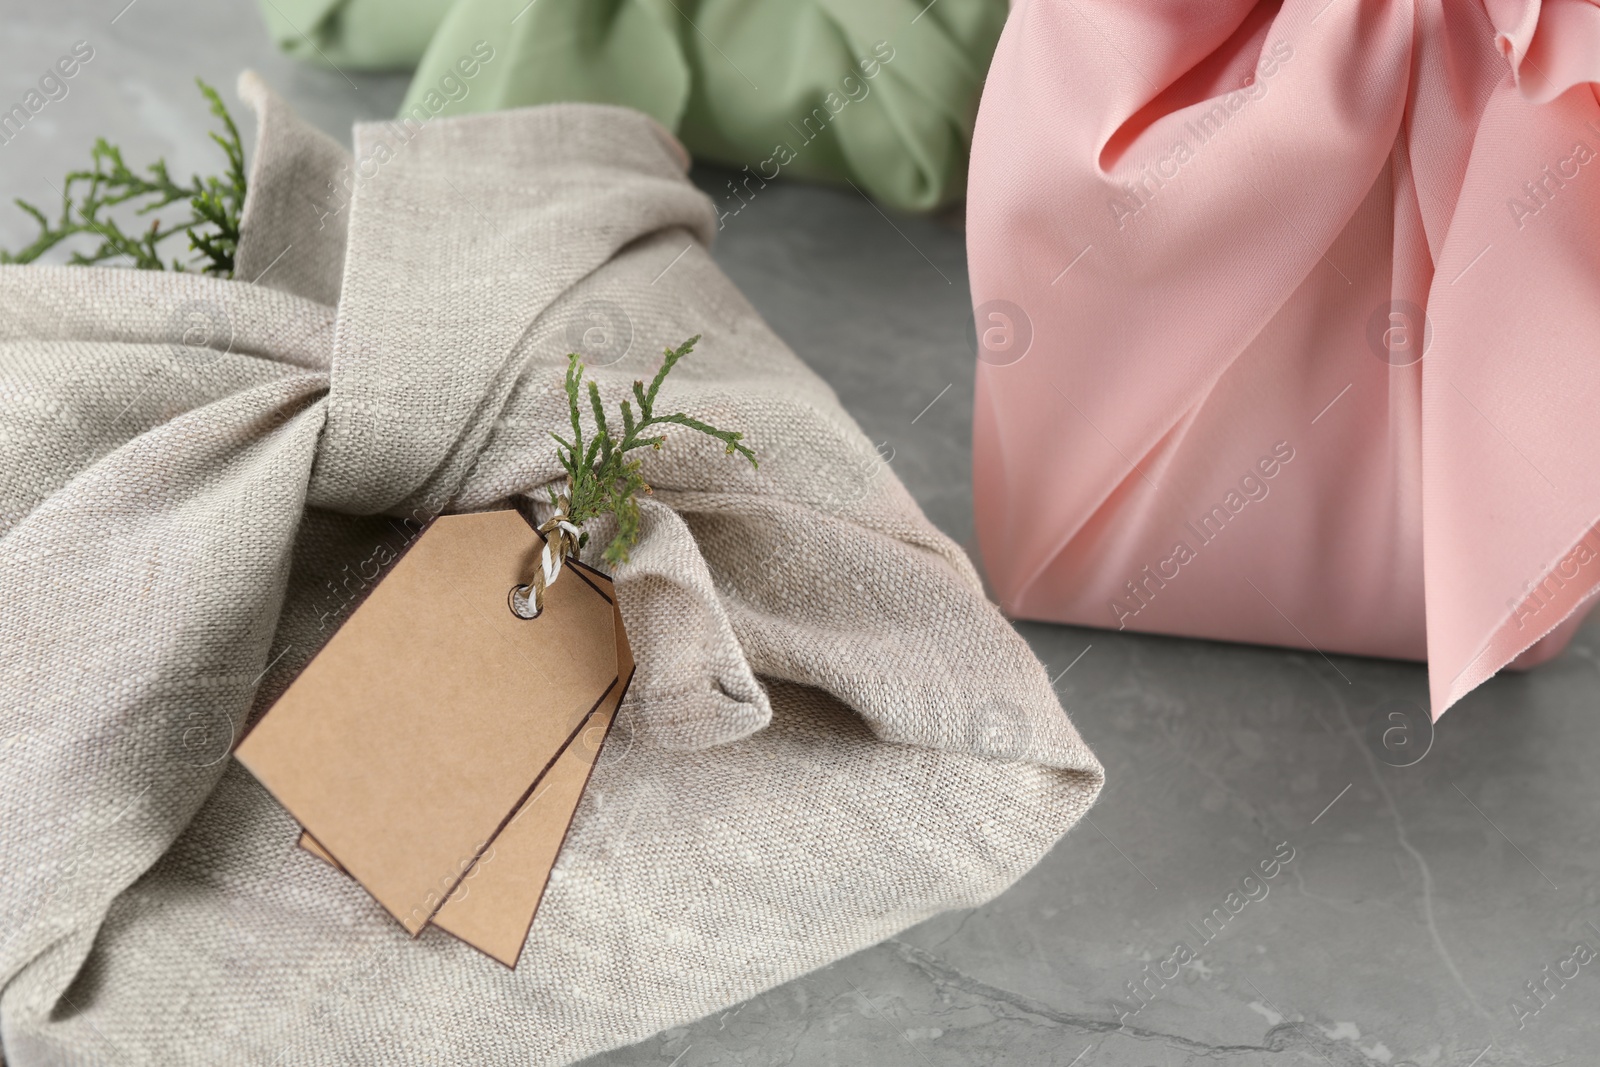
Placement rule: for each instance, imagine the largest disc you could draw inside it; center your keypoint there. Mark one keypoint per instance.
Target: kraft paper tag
(425, 725)
(494, 906)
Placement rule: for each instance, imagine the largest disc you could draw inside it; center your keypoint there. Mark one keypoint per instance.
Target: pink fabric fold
(1289, 318)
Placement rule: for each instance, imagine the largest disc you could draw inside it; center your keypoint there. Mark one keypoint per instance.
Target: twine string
(560, 541)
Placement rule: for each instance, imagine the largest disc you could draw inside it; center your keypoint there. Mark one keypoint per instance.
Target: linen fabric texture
(1365, 237)
(819, 748)
(882, 93)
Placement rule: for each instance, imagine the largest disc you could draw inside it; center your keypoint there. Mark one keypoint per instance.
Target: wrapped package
(881, 93)
(1286, 315)
(831, 733)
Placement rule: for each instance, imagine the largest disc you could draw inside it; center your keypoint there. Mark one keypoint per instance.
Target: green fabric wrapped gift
(881, 93)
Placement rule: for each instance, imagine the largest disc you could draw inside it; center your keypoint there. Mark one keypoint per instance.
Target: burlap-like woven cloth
(832, 734)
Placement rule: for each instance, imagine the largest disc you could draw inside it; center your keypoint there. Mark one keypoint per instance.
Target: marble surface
(1419, 900)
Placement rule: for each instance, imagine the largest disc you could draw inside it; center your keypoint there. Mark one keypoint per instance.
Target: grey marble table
(1418, 901)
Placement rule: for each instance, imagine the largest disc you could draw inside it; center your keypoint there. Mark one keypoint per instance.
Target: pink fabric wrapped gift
(1288, 320)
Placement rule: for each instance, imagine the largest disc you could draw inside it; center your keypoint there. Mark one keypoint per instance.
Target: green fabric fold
(878, 93)
(354, 34)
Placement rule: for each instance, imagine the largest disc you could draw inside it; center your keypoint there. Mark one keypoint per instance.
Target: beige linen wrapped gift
(831, 736)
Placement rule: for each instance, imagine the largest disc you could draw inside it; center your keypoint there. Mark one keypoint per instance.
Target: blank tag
(413, 739)
(494, 906)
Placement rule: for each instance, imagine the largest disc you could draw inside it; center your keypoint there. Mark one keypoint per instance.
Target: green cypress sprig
(215, 205)
(601, 479)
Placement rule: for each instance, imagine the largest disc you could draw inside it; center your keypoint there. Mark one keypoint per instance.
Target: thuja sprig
(601, 478)
(215, 205)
